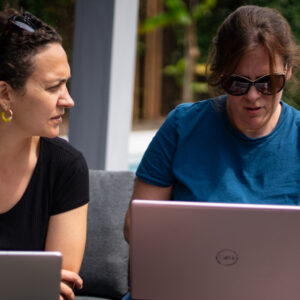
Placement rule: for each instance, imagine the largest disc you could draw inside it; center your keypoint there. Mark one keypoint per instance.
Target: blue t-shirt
(204, 158)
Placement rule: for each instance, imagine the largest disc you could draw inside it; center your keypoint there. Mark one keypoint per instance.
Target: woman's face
(39, 108)
(255, 114)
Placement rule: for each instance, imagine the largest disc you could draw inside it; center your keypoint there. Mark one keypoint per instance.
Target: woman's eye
(54, 88)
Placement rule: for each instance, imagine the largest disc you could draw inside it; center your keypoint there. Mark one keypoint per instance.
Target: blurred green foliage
(176, 12)
(179, 14)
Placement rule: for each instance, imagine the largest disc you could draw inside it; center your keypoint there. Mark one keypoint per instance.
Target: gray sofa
(105, 264)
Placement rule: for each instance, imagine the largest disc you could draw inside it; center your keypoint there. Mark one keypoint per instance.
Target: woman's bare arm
(67, 234)
(145, 191)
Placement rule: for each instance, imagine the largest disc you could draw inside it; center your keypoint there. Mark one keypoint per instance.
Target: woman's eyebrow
(57, 80)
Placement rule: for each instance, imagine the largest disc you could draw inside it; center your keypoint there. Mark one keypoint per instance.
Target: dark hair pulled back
(245, 29)
(18, 47)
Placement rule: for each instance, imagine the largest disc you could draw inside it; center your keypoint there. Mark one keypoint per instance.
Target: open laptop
(30, 275)
(213, 251)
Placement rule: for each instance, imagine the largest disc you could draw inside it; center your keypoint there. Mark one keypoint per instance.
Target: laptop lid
(212, 251)
(30, 275)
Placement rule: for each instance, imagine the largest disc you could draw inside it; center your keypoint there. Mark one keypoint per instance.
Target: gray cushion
(105, 264)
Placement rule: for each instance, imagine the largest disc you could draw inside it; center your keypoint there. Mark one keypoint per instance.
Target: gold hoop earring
(9, 118)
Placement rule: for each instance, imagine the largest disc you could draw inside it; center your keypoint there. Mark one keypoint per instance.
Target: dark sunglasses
(267, 85)
(23, 22)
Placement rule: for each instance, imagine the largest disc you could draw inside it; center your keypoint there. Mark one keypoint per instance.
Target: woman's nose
(253, 93)
(66, 100)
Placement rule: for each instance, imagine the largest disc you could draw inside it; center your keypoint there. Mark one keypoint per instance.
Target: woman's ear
(289, 73)
(4, 95)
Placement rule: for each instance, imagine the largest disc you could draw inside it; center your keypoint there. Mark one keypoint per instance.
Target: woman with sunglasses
(43, 179)
(242, 146)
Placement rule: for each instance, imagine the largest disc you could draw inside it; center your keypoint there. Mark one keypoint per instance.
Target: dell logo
(227, 257)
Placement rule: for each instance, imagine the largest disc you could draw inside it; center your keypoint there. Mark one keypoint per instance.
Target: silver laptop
(30, 275)
(212, 251)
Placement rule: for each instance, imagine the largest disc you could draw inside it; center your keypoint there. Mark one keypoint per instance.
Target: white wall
(121, 84)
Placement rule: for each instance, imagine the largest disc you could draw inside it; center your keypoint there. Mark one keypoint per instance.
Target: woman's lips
(253, 110)
(57, 119)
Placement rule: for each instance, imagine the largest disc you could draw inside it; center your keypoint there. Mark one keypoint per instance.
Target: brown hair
(18, 47)
(245, 29)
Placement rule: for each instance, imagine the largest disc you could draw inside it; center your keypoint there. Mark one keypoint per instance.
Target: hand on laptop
(69, 280)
